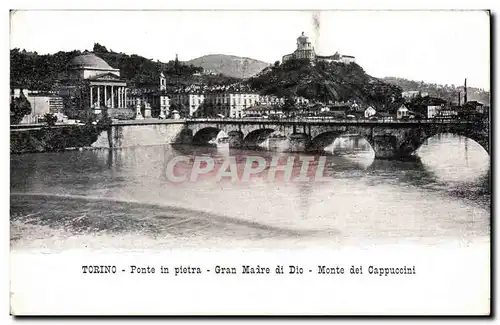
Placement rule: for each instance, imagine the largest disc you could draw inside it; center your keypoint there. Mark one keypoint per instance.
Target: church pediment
(105, 77)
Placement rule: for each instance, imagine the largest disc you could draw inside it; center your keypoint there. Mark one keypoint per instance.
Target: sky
(443, 47)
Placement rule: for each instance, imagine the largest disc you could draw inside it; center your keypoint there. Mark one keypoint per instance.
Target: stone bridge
(389, 139)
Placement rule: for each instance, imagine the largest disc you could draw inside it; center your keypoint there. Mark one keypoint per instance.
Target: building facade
(41, 103)
(433, 111)
(402, 112)
(186, 103)
(231, 103)
(271, 100)
(370, 111)
(409, 94)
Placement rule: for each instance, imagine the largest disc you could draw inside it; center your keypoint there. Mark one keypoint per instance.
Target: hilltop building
(306, 51)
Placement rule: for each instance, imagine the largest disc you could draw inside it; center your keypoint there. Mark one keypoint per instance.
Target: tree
(50, 119)
(289, 105)
(105, 121)
(19, 107)
(98, 48)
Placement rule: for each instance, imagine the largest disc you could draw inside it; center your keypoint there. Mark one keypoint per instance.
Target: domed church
(94, 84)
(306, 51)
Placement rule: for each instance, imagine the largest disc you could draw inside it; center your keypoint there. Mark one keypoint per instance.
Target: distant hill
(326, 82)
(446, 92)
(229, 65)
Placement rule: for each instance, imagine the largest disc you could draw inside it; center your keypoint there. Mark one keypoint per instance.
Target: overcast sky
(439, 46)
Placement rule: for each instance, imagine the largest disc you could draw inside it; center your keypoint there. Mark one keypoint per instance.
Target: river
(122, 199)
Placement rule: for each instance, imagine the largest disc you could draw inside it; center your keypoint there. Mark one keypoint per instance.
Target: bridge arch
(326, 139)
(256, 137)
(205, 135)
(412, 143)
(184, 136)
(323, 140)
(389, 140)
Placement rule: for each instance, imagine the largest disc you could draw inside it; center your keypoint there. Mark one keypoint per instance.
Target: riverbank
(53, 139)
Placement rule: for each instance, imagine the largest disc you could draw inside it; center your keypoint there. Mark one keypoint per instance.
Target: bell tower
(163, 81)
(465, 91)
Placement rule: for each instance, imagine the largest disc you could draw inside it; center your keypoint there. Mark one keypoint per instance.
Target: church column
(91, 97)
(118, 94)
(105, 96)
(121, 97)
(99, 96)
(126, 90)
(112, 97)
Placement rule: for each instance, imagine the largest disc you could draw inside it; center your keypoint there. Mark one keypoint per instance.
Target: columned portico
(115, 95)
(95, 85)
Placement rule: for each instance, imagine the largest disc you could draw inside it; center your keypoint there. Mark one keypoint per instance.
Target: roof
(474, 102)
(335, 56)
(90, 61)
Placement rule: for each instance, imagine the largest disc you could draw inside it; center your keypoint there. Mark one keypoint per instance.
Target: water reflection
(360, 198)
(454, 158)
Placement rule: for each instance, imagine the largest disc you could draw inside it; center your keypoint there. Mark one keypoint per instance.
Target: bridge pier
(385, 146)
(185, 136)
(235, 139)
(299, 142)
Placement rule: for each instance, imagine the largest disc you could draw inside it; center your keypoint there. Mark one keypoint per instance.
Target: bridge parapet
(388, 138)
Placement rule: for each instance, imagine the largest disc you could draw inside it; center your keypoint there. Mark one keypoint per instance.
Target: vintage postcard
(250, 162)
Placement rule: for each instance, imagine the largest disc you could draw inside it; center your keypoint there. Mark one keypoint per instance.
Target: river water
(123, 199)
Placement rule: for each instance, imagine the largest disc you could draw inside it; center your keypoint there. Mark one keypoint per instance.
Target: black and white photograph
(220, 157)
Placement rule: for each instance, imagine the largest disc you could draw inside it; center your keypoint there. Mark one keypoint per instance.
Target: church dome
(89, 61)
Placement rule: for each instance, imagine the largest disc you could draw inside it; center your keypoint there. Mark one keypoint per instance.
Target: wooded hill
(325, 82)
(447, 92)
(42, 72)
